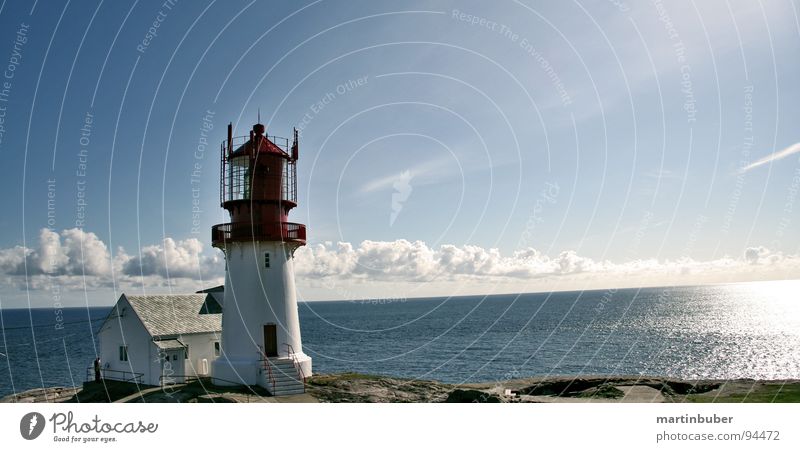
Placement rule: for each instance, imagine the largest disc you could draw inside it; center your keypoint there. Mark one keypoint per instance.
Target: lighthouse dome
(259, 143)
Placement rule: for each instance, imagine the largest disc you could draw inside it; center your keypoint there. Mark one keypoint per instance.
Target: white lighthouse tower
(260, 325)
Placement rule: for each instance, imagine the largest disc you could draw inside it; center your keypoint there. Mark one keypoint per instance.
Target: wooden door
(270, 340)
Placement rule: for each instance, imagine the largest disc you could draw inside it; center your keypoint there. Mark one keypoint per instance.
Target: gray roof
(214, 289)
(169, 344)
(213, 303)
(166, 315)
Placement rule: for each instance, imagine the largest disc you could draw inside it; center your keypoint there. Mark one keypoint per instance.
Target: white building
(157, 339)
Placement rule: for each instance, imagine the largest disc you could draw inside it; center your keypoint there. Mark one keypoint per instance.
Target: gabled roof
(212, 289)
(166, 315)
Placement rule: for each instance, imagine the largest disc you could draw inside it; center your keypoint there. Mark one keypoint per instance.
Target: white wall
(200, 346)
(128, 330)
(255, 296)
(173, 370)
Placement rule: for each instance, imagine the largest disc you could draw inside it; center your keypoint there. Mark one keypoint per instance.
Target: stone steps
(287, 379)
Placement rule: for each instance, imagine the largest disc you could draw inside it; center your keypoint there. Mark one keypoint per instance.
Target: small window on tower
(266, 260)
(216, 348)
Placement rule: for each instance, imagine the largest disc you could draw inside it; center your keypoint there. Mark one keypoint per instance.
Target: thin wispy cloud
(662, 174)
(432, 167)
(783, 153)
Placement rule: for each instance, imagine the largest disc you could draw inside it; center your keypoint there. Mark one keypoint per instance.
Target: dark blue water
(64, 347)
(731, 331)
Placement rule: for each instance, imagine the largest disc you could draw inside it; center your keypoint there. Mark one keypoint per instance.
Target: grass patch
(604, 391)
(764, 393)
(327, 380)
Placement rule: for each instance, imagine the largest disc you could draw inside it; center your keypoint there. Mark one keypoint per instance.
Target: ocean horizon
(730, 331)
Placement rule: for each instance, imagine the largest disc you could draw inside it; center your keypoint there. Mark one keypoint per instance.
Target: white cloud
(51, 257)
(181, 259)
(73, 252)
(320, 261)
(12, 260)
(783, 153)
(83, 253)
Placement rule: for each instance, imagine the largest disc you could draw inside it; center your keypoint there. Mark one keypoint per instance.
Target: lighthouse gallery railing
(237, 232)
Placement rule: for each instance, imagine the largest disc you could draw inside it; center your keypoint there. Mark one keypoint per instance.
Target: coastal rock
(354, 387)
(471, 396)
(41, 395)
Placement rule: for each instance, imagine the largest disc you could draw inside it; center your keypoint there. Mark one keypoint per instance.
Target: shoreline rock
(361, 388)
(41, 395)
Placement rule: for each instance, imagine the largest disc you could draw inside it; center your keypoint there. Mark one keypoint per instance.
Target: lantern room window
(238, 165)
(238, 178)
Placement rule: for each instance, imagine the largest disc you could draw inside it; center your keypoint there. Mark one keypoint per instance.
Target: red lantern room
(258, 188)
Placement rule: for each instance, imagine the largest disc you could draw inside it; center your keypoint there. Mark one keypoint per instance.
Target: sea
(749, 330)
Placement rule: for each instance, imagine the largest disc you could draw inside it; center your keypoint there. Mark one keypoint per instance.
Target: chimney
(294, 146)
(230, 137)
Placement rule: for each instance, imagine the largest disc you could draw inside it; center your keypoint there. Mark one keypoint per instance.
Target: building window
(216, 348)
(266, 260)
(123, 352)
(174, 357)
(186, 352)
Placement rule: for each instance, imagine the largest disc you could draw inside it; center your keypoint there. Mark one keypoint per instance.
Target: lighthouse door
(270, 340)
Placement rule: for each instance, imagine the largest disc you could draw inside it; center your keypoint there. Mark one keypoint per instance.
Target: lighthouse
(260, 325)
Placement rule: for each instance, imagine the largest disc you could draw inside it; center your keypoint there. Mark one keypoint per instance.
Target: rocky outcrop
(471, 396)
(353, 387)
(42, 395)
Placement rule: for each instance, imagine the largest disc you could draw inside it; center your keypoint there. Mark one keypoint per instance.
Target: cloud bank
(76, 259)
(402, 260)
(79, 260)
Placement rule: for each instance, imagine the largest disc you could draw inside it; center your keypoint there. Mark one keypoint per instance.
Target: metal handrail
(268, 366)
(290, 352)
(135, 376)
(246, 231)
(237, 141)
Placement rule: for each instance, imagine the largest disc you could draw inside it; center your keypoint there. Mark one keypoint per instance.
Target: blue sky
(606, 136)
